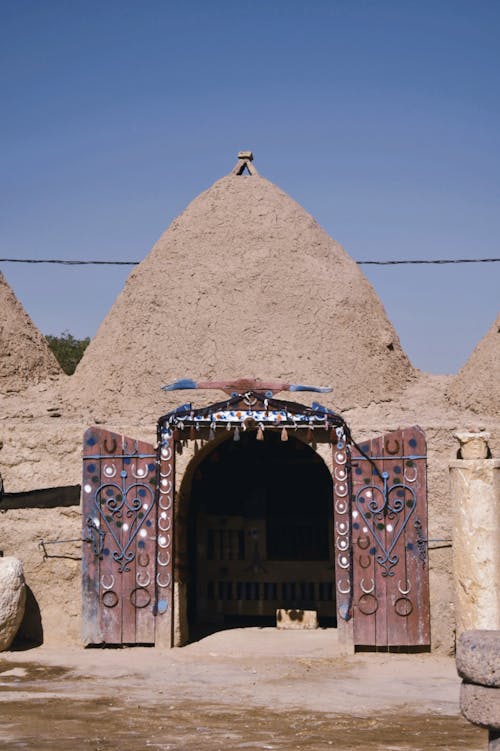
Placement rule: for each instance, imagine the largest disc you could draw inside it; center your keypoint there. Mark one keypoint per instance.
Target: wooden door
(126, 584)
(381, 539)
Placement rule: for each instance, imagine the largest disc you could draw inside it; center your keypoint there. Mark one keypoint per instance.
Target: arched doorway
(259, 533)
(244, 532)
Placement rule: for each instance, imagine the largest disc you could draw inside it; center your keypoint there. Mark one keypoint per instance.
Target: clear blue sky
(381, 118)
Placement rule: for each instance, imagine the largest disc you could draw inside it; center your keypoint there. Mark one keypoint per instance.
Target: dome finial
(245, 159)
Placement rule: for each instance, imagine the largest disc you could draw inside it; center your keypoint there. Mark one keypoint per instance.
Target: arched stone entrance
(258, 533)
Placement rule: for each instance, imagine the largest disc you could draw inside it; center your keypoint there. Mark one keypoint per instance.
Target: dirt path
(242, 689)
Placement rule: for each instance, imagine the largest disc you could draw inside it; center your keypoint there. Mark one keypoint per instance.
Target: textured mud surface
(288, 696)
(112, 725)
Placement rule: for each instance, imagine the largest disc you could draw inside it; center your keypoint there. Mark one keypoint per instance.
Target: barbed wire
(399, 262)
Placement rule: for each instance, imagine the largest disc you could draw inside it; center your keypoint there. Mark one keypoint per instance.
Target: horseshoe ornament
(140, 473)
(108, 586)
(341, 543)
(147, 579)
(364, 561)
(165, 485)
(404, 591)
(164, 541)
(395, 449)
(340, 507)
(164, 524)
(342, 527)
(113, 448)
(341, 590)
(163, 563)
(407, 476)
(166, 453)
(343, 561)
(341, 489)
(363, 588)
(363, 542)
(160, 583)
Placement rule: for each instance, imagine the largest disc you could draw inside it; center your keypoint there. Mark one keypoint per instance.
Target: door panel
(385, 584)
(119, 549)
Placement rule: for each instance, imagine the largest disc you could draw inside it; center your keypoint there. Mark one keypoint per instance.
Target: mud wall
(52, 457)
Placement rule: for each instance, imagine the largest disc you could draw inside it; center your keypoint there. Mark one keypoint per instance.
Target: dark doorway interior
(260, 535)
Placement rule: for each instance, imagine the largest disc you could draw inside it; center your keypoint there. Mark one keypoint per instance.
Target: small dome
(244, 283)
(477, 385)
(25, 357)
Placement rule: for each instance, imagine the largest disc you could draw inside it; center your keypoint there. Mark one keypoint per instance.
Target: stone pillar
(475, 505)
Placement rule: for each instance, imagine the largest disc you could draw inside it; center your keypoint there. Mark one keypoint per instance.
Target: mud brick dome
(25, 357)
(477, 385)
(243, 283)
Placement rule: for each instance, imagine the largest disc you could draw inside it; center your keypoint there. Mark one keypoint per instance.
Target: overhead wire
(398, 262)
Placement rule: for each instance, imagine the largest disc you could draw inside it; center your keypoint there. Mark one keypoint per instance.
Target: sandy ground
(239, 689)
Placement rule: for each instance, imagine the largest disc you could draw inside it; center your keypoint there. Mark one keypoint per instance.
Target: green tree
(67, 349)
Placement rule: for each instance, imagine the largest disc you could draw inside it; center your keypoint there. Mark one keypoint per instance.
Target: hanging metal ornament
(309, 435)
(236, 436)
(260, 432)
(284, 434)
(211, 432)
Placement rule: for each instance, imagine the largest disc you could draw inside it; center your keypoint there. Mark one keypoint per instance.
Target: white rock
(12, 599)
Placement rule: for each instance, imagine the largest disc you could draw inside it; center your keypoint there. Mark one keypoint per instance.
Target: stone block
(473, 445)
(12, 599)
(480, 705)
(296, 619)
(478, 657)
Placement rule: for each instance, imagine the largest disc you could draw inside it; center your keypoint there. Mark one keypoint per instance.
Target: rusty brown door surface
(380, 498)
(127, 497)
